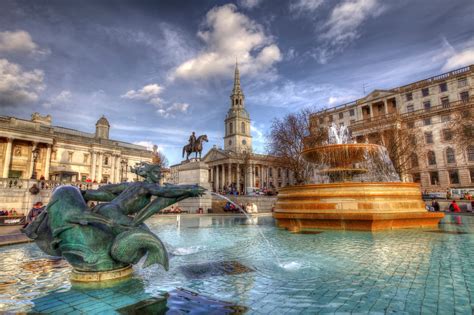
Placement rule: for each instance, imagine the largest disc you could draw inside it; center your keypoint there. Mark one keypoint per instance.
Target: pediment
(214, 155)
(376, 94)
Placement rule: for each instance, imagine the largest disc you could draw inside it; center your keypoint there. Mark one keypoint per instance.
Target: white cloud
(250, 4)
(149, 93)
(305, 6)
(18, 42)
(145, 143)
(459, 59)
(173, 110)
(64, 97)
(343, 26)
(229, 34)
(18, 86)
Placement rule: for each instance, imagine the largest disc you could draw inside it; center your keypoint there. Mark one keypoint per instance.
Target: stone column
(217, 178)
(99, 170)
(32, 160)
(47, 163)
(93, 165)
(229, 181)
(118, 167)
(112, 168)
(237, 175)
(211, 176)
(8, 158)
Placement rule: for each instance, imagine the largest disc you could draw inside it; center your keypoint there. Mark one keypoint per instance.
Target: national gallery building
(37, 149)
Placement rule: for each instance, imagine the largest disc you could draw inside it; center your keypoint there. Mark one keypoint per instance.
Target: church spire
(237, 90)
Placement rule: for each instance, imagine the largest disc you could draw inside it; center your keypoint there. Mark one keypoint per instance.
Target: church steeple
(237, 97)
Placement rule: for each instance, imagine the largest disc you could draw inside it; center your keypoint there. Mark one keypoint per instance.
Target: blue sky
(161, 69)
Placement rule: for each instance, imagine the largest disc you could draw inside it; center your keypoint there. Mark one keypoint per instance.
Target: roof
(103, 121)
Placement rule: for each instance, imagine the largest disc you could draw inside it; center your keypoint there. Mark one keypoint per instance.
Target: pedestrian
(435, 205)
(453, 207)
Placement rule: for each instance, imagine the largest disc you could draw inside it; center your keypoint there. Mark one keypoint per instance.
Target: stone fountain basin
(339, 155)
(353, 206)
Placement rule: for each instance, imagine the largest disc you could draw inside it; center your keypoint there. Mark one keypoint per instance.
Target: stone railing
(16, 183)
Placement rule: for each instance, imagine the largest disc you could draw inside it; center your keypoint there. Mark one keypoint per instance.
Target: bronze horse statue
(188, 149)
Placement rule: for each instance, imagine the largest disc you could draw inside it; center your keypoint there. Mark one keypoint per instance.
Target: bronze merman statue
(112, 234)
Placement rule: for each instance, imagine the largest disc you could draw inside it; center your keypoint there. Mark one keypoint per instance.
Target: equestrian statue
(111, 235)
(195, 145)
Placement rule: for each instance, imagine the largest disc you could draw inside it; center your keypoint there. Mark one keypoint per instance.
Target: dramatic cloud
(17, 86)
(228, 35)
(64, 97)
(149, 93)
(18, 42)
(173, 110)
(250, 4)
(343, 26)
(305, 6)
(459, 59)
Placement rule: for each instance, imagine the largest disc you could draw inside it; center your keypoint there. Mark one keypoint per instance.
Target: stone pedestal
(194, 173)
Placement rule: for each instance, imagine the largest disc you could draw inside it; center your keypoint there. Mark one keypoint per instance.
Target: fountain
(363, 191)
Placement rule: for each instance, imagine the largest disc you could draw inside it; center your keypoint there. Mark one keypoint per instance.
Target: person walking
(454, 207)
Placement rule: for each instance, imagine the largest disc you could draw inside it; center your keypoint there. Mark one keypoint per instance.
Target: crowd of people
(8, 213)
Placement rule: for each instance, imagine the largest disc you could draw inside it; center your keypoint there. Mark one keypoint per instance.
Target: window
(470, 153)
(330, 118)
(464, 96)
(471, 172)
(411, 124)
(416, 177)
(106, 160)
(341, 115)
(434, 178)
(462, 82)
(287, 173)
(243, 127)
(427, 105)
(429, 137)
(279, 172)
(409, 96)
(353, 121)
(85, 159)
(425, 92)
(450, 156)
(447, 135)
(270, 172)
(427, 121)
(321, 120)
(445, 102)
(431, 158)
(414, 160)
(231, 128)
(445, 118)
(352, 112)
(70, 156)
(453, 177)
(256, 171)
(410, 108)
(443, 87)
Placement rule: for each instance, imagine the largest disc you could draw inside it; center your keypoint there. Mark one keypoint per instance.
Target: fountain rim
(324, 147)
(350, 184)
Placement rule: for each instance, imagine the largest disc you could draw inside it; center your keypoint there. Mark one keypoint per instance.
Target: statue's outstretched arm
(104, 193)
(154, 207)
(176, 191)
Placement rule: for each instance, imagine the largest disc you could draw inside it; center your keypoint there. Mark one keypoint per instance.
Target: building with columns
(37, 149)
(429, 113)
(236, 166)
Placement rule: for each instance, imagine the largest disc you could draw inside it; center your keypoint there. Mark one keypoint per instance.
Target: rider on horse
(192, 141)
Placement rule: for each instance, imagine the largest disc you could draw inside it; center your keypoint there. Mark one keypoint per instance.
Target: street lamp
(35, 153)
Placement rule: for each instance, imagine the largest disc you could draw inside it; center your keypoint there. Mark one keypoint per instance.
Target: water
(270, 247)
(405, 271)
(339, 134)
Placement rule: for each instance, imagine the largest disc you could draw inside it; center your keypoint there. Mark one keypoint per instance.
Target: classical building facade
(236, 166)
(429, 113)
(37, 149)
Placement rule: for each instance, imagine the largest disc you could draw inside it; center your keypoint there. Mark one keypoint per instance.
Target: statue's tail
(132, 245)
(184, 149)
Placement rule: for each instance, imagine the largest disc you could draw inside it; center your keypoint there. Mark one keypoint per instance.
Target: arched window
(243, 127)
(470, 153)
(431, 158)
(450, 157)
(414, 160)
(231, 126)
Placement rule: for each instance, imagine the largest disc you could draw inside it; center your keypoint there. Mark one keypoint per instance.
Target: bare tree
(159, 158)
(462, 126)
(287, 139)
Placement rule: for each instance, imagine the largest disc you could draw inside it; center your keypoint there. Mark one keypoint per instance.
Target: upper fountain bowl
(339, 155)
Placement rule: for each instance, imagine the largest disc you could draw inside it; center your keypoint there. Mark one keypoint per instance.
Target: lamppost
(123, 168)
(35, 153)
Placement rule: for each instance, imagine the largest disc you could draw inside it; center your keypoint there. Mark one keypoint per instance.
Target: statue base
(98, 276)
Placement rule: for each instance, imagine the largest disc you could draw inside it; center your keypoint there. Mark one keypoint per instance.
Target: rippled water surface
(225, 258)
